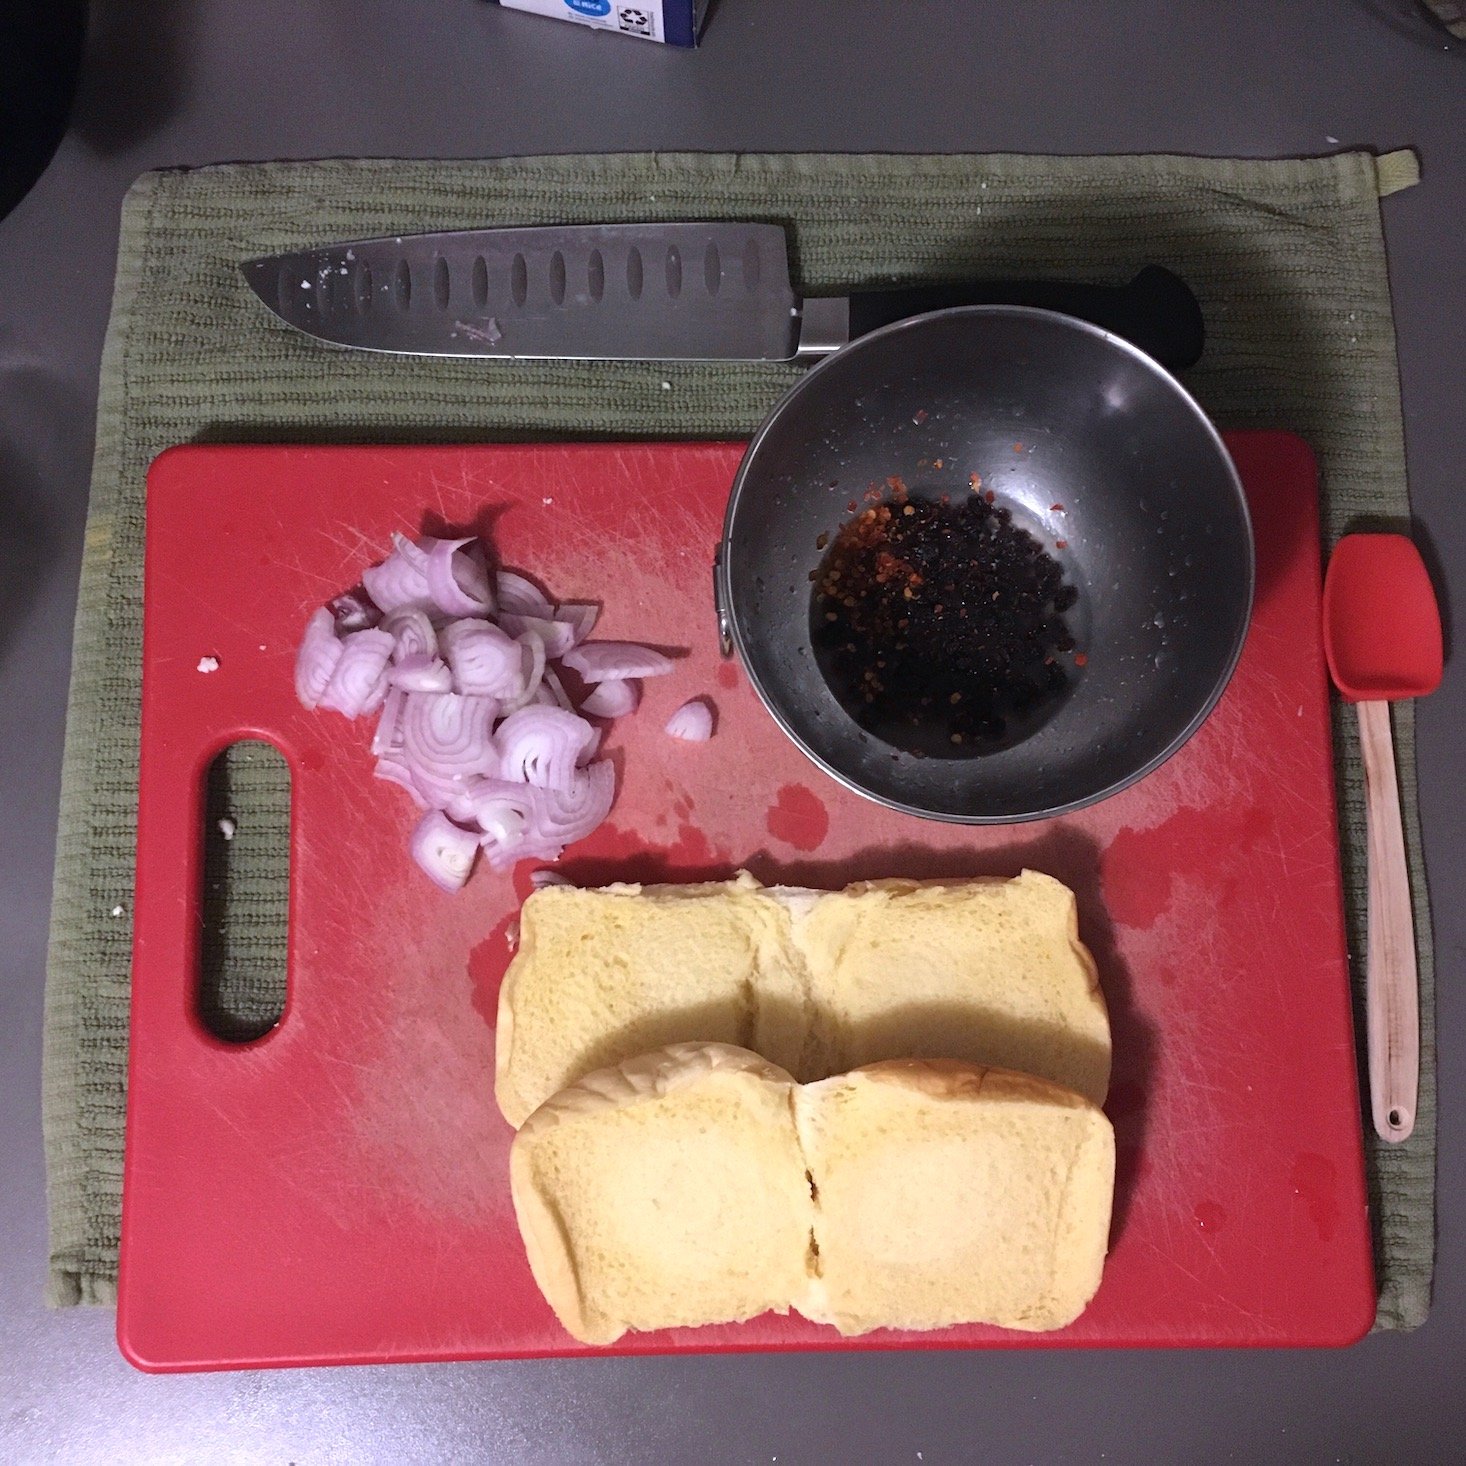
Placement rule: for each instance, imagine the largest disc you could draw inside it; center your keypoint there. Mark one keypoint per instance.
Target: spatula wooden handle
(1392, 1001)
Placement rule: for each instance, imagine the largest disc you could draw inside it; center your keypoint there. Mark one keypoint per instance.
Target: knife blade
(671, 291)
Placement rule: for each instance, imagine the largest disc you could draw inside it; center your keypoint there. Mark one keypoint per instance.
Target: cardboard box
(672, 22)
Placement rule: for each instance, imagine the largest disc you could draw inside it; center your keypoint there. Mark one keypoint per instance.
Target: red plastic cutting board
(337, 1191)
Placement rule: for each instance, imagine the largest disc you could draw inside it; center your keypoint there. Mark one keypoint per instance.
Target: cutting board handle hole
(245, 898)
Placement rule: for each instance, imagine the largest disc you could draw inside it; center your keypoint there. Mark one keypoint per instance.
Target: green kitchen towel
(1287, 258)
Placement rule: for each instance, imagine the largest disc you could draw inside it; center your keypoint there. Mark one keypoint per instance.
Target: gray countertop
(198, 81)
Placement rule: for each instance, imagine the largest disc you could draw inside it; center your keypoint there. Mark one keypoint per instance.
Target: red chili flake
(975, 479)
(936, 462)
(879, 600)
(1080, 660)
(1018, 447)
(897, 486)
(946, 498)
(1061, 544)
(919, 416)
(1057, 508)
(851, 506)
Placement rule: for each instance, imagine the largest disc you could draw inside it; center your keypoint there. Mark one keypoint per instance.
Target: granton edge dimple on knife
(682, 291)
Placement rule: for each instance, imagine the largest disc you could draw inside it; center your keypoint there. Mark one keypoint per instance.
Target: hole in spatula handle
(245, 900)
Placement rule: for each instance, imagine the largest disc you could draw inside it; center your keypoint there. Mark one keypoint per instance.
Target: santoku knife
(680, 291)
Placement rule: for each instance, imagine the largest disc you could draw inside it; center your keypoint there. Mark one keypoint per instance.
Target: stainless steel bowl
(1049, 411)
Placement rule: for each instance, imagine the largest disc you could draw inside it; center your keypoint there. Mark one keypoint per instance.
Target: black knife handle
(1156, 311)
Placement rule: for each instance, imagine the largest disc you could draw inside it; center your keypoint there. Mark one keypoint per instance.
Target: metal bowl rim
(728, 617)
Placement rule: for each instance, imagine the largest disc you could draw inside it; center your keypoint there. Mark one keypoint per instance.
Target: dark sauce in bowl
(940, 626)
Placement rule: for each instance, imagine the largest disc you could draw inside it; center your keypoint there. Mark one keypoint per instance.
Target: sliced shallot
(581, 616)
(613, 698)
(692, 722)
(444, 850)
(547, 819)
(320, 650)
(462, 796)
(358, 683)
(484, 659)
(412, 632)
(385, 739)
(599, 661)
(447, 649)
(533, 653)
(421, 672)
(447, 736)
(520, 596)
(441, 791)
(552, 684)
(558, 636)
(409, 550)
(458, 577)
(504, 810)
(544, 746)
(567, 815)
(501, 820)
(400, 580)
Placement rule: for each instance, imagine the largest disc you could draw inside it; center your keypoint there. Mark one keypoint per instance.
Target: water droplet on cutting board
(1209, 1216)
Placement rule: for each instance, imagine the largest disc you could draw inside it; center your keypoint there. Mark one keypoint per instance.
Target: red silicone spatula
(1382, 636)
